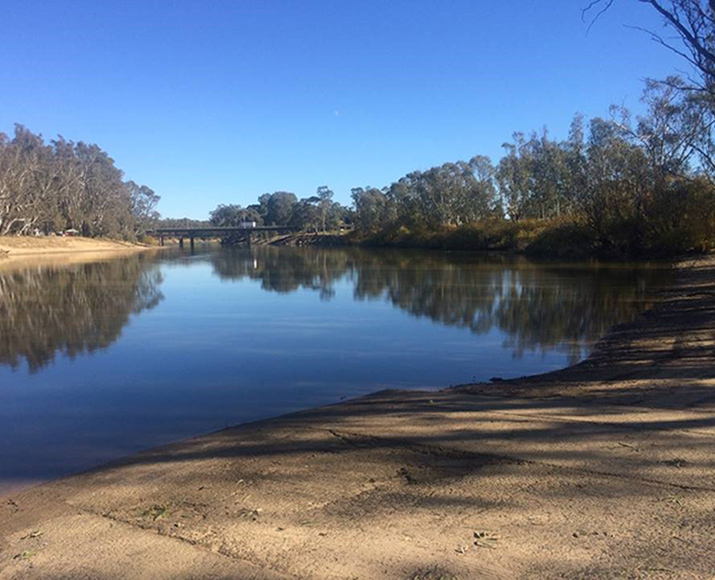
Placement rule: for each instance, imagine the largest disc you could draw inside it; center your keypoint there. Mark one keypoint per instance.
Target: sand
(20, 252)
(27, 245)
(603, 470)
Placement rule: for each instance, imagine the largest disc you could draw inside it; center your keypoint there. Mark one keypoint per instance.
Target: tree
(514, 177)
(60, 185)
(279, 208)
(143, 207)
(676, 131)
(232, 216)
(307, 214)
(693, 21)
(370, 208)
(325, 197)
(174, 223)
(448, 195)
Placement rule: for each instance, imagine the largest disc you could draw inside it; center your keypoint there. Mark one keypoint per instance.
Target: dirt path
(605, 470)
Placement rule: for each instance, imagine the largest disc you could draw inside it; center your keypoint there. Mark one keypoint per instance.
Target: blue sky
(218, 102)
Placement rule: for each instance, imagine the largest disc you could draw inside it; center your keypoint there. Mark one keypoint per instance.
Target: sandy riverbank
(13, 246)
(604, 470)
(21, 251)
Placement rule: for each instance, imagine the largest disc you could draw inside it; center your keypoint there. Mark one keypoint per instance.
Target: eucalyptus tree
(143, 202)
(370, 208)
(551, 179)
(576, 161)
(103, 199)
(693, 22)
(233, 215)
(279, 207)
(618, 179)
(60, 185)
(514, 176)
(448, 195)
(325, 197)
(307, 214)
(26, 182)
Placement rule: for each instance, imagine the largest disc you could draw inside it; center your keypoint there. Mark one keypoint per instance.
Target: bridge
(204, 233)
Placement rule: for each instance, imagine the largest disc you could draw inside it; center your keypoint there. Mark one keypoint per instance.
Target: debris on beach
(484, 539)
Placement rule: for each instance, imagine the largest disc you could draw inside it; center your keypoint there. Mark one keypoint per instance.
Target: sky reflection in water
(103, 359)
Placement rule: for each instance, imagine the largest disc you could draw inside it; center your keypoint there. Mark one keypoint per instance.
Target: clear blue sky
(211, 102)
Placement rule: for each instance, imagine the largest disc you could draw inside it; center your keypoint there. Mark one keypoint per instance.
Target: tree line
(282, 208)
(617, 185)
(624, 185)
(62, 185)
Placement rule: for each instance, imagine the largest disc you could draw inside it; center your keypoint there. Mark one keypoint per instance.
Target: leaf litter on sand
(156, 512)
(484, 539)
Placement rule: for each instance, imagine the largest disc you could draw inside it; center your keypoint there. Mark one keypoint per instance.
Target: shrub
(569, 240)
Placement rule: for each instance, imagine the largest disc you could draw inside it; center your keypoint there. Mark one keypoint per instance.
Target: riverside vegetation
(62, 185)
(615, 187)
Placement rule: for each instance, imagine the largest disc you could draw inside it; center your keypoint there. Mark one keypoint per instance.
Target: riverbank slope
(20, 251)
(602, 470)
(13, 246)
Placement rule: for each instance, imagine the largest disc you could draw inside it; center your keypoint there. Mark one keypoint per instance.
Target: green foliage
(370, 208)
(563, 239)
(182, 223)
(232, 216)
(279, 208)
(315, 213)
(682, 217)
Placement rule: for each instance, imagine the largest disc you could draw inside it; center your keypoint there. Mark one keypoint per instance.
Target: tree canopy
(61, 185)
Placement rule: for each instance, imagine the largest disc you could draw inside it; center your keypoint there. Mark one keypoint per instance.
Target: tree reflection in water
(72, 309)
(538, 306)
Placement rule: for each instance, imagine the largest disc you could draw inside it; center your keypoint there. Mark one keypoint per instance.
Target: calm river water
(104, 359)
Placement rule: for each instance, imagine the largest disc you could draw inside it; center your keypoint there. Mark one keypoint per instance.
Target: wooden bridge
(206, 233)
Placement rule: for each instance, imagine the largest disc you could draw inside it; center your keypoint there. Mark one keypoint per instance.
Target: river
(103, 359)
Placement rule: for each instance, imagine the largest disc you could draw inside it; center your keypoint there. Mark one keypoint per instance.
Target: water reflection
(286, 269)
(183, 344)
(72, 310)
(538, 306)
